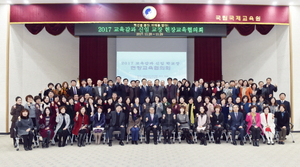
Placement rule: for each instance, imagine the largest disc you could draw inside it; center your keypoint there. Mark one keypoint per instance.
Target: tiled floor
(161, 155)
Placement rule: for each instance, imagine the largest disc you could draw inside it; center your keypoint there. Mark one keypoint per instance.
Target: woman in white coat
(267, 120)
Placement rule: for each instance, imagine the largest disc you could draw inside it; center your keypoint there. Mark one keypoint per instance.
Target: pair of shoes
(29, 148)
(272, 143)
(110, 143)
(204, 142)
(132, 142)
(241, 142)
(121, 143)
(281, 142)
(147, 142)
(155, 143)
(165, 141)
(268, 143)
(169, 141)
(234, 143)
(135, 142)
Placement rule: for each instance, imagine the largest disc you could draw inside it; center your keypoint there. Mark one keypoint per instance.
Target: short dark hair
(37, 98)
(125, 79)
(18, 97)
(175, 79)
(269, 78)
(50, 84)
(118, 77)
(73, 80)
(232, 81)
(21, 113)
(250, 79)
(169, 79)
(27, 97)
(282, 94)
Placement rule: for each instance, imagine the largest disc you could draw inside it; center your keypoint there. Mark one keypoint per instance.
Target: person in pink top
(254, 125)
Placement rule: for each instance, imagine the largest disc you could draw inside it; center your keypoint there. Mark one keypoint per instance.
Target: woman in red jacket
(81, 122)
(79, 104)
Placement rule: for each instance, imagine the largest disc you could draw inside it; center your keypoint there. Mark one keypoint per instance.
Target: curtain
(245, 29)
(230, 27)
(34, 28)
(208, 58)
(264, 29)
(92, 57)
(55, 29)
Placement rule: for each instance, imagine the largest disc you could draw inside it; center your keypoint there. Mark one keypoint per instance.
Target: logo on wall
(149, 12)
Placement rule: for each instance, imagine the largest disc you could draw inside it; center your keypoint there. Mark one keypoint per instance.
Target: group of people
(179, 106)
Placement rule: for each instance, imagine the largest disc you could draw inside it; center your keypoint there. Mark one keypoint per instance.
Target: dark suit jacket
(125, 92)
(282, 121)
(151, 122)
(205, 92)
(96, 121)
(217, 120)
(71, 92)
(96, 91)
(235, 92)
(158, 92)
(171, 92)
(239, 121)
(269, 90)
(118, 89)
(113, 118)
(144, 93)
(286, 104)
(133, 93)
(195, 92)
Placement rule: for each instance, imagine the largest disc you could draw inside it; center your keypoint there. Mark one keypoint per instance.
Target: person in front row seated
(63, 122)
(25, 126)
(183, 124)
(168, 122)
(217, 120)
(47, 123)
(117, 123)
(151, 124)
(254, 125)
(98, 122)
(202, 124)
(283, 123)
(236, 123)
(81, 122)
(267, 121)
(134, 125)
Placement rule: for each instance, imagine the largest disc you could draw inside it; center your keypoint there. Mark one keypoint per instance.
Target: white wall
(36, 60)
(258, 56)
(4, 20)
(295, 55)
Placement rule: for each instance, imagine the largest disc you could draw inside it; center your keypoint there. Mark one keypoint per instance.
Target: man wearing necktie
(151, 124)
(236, 122)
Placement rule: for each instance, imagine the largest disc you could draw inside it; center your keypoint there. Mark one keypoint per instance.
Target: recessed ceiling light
(26, 1)
(227, 2)
(161, 1)
(274, 3)
(291, 3)
(210, 2)
(93, 1)
(9, 2)
(75, 1)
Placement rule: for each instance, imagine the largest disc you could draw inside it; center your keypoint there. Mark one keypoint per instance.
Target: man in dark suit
(144, 91)
(270, 89)
(117, 123)
(73, 89)
(125, 89)
(134, 91)
(171, 90)
(195, 90)
(151, 124)
(162, 84)
(118, 86)
(236, 122)
(157, 90)
(235, 90)
(282, 100)
(99, 90)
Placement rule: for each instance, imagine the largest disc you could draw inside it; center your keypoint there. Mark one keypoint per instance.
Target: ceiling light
(75, 1)
(93, 1)
(210, 2)
(9, 2)
(274, 3)
(161, 1)
(26, 1)
(291, 3)
(227, 2)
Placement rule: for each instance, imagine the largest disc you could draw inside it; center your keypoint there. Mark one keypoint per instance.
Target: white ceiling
(246, 2)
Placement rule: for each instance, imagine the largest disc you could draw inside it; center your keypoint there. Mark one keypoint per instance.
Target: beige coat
(132, 123)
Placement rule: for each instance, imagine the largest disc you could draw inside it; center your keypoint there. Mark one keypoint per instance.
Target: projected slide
(151, 65)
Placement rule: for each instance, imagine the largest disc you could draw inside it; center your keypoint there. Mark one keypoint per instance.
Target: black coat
(217, 120)
(282, 121)
(112, 116)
